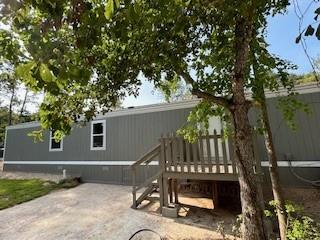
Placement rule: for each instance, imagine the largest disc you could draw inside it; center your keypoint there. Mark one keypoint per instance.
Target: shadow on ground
(198, 210)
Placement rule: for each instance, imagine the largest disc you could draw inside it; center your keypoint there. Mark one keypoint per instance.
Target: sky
(282, 31)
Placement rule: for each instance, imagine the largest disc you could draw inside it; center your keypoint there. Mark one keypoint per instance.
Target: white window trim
(54, 149)
(103, 134)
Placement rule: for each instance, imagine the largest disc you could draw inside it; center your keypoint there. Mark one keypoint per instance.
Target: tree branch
(204, 95)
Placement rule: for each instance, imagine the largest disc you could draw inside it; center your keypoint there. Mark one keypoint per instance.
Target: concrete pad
(171, 211)
(90, 211)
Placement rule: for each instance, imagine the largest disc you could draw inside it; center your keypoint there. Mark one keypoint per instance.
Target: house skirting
(294, 173)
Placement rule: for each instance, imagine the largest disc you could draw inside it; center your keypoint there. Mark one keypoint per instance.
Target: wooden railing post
(232, 155)
(181, 154)
(209, 158)
(164, 192)
(201, 153)
(224, 153)
(134, 192)
(216, 151)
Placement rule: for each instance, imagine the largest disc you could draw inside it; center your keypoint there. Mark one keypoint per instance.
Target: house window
(53, 144)
(98, 135)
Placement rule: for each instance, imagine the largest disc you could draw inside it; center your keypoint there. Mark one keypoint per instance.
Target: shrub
(299, 226)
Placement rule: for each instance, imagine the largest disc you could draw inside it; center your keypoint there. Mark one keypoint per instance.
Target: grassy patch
(15, 191)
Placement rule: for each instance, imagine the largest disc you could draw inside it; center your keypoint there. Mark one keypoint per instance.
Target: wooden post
(181, 153)
(215, 194)
(231, 154)
(175, 152)
(209, 160)
(224, 153)
(195, 156)
(165, 192)
(134, 193)
(170, 182)
(188, 155)
(169, 153)
(216, 151)
(164, 183)
(201, 153)
(176, 198)
(160, 181)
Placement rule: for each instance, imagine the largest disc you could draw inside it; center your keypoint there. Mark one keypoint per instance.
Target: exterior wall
(301, 147)
(130, 136)
(127, 138)
(113, 174)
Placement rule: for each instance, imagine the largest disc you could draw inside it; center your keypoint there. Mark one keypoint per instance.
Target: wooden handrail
(147, 157)
(149, 180)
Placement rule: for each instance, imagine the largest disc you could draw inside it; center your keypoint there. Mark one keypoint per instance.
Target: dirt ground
(26, 175)
(101, 211)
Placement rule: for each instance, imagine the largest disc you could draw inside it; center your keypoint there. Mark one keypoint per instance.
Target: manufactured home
(133, 144)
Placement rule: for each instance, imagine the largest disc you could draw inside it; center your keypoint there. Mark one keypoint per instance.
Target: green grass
(15, 191)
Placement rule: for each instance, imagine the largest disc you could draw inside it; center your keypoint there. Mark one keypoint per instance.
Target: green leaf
(23, 70)
(317, 11)
(117, 2)
(318, 32)
(132, 13)
(46, 74)
(309, 31)
(109, 9)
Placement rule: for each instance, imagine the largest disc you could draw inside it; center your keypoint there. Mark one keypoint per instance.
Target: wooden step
(149, 190)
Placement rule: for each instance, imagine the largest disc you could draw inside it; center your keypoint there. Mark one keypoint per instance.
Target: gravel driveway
(89, 211)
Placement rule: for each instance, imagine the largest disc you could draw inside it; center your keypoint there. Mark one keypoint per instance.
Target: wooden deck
(209, 158)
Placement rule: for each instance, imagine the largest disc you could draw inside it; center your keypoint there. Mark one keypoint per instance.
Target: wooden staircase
(150, 185)
(210, 158)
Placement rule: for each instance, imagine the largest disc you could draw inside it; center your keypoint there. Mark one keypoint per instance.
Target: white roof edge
(151, 108)
(301, 89)
(24, 125)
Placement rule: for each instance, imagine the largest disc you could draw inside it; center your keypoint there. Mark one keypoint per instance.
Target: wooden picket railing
(209, 158)
(211, 153)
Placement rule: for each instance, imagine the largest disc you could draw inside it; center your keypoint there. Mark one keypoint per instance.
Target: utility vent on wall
(105, 168)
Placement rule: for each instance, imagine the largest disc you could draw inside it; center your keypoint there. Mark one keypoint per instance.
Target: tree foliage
(86, 55)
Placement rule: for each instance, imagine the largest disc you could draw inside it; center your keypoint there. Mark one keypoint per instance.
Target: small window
(98, 135)
(55, 145)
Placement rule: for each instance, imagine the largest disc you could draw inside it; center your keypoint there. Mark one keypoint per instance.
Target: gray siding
(300, 145)
(288, 178)
(103, 174)
(127, 138)
(130, 136)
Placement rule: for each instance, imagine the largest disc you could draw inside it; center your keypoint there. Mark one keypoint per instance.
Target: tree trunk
(23, 105)
(251, 197)
(11, 106)
(272, 157)
(252, 212)
(273, 170)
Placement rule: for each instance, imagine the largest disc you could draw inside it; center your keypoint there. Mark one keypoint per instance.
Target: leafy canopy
(86, 54)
